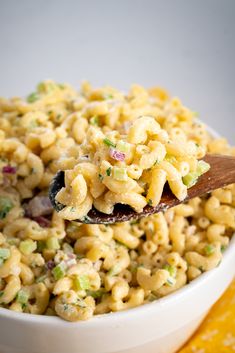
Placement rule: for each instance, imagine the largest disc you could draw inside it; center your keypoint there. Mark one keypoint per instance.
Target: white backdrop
(185, 45)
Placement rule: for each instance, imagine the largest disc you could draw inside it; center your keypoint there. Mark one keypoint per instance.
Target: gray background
(184, 45)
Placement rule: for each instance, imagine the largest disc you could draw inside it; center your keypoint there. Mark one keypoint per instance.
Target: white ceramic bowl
(159, 327)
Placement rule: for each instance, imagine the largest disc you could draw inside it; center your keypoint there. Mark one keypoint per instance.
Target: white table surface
(184, 45)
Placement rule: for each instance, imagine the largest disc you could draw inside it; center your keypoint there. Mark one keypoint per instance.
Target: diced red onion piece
(39, 206)
(8, 169)
(42, 221)
(119, 156)
(50, 265)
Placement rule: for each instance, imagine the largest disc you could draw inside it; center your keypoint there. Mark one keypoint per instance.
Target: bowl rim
(108, 318)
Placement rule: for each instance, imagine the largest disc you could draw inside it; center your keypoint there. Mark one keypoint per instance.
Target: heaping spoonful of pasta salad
(125, 175)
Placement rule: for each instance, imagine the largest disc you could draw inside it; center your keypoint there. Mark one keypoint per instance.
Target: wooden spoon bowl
(220, 174)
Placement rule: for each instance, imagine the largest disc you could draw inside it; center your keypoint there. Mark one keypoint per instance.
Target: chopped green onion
(4, 253)
(150, 202)
(156, 162)
(109, 171)
(86, 219)
(40, 245)
(5, 206)
(209, 249)
(100, 177)
(202, 167)
(66, 307)
(170, 269)
(120, 173)
(190, 179)
(82, 282)
(59, 271)
(53, 243)
(94, 120)
(22, 297)
(123, 146)
(33, 97)
(223, 248)
(109, 142)
(1, 293)
(28, 246)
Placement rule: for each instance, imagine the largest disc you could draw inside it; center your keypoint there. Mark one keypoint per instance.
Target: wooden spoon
(220, 174)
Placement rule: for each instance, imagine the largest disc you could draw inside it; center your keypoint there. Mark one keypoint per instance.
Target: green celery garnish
(5, 206)
(82, 282)
(209, 249)
(109, 142)
(120, 173)
(28, 246)
(33, 97)
(58, 271)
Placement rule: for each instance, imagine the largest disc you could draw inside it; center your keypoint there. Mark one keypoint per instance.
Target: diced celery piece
(53, 243)
(22, 297)
(123, 146)
(33, 97)
(96, 294)
(202, 167)
(120, 173)
(5, 206)
(190, 179)
(82, 282)
(170, 269)
(28, 246)
(59, 271)
(4, 253)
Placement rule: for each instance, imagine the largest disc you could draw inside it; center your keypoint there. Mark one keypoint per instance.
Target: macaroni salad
(114, 148)
(129, 167)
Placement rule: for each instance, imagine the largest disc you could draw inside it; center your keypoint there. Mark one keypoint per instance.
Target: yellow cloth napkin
(217, 332)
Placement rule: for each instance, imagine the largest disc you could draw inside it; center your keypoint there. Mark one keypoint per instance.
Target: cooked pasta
(114, 148)
(128, 167)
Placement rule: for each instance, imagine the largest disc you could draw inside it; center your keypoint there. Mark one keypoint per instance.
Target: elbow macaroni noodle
(55, 267)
